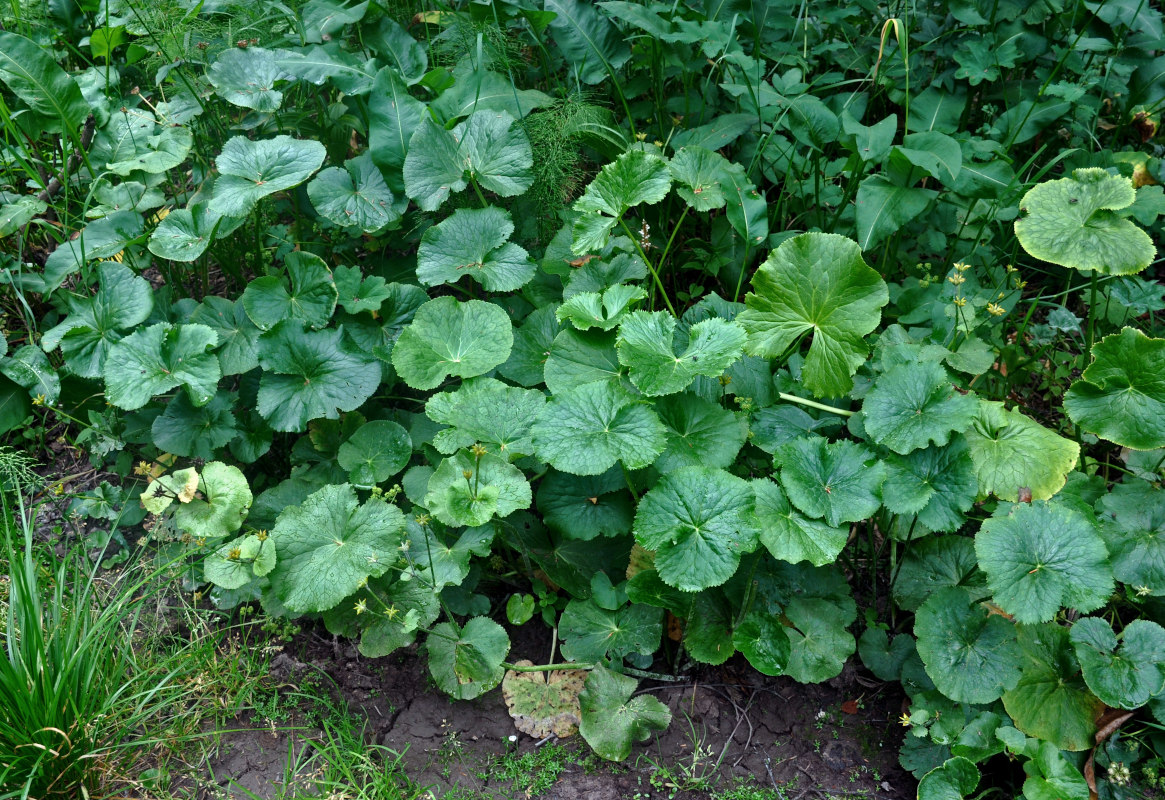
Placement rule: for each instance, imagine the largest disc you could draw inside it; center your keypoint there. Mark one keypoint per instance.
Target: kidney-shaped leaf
(311, 298)
(220, 511)
(914, 404)
(451, 338)
(474, 242)
(1124, 675)
(634, 177)
(160, 358)
(355, 196)
(247, 77)
(468, 662)
(612, 719)
(646, 345)
(488, 412)
(251, 170)
(375, 452)
(1121, 395)
(1011, 452)
(591, 633)
(1134, 516)
(841, 481)
(953, 780)
(791, 536)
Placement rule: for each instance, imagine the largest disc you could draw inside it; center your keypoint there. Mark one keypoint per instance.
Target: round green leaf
(160, 358)
(816, 283)
(762, 639)
(237, 336)
(791, 536)
(1011, 452)
(1124, 676)
(937, 563)
(647, 345)
(220, 511)
(237, 562)
(970, 654)
(937, 484)
(185, 233)
(375, 452)
(474, 242)
(698, 173)
(1071, 222)
(451, 338)
(250, 170)
(612, 719)
(192, 431)
(954, 780)
(468, 663)
(1042, 556)
(819, 641)
(575, 358)
(311, 298)
(586, 430)
(1134, 530)
(583, 507)
(1121, 395)
(487, 412)
(246, 77)
(389, 617)
(355, 196)
(590, 633)
(915, 404)
(493, 487)
(310, 375)
(700, 521)
(699, 433)
(840, 481)
(328, 546)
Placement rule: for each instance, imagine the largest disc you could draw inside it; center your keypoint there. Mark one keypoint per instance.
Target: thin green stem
(650, 268)
(792, 398)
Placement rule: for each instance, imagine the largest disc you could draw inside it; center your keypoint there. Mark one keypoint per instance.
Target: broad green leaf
(590, 633)
(330, 545)
(882, 656)
(152, 148)
(488, 412)
(310, 374)
(1051, 776)
(476, 89)
(311, 298)
(840, 481)
(700, 521)
(358, 293)
(393, 117)
(1042, 556)
(527, 362)
(1051, 700)
(936, 153)
(192, 431)
(612, 720)
(587, 310)
(15, 405)
(159, 358)
(438, 558)
(915, 404)
(15, 215)
(99, 240)
(699, 433)
(466, 663)
(937, 563)
(592, 44)
(347, 71)
(447, 338)
(937, 484)
(747, 211)
(489, 148)
(810, 121)
(791, 536)
(466, 490)
(1121, 395)
(1124, 675)
(816, 283)
(583, 507)
(708, 636)
(1134, 530)
(970, 654)
(1074, 222)
(393, 44)
(883, 208)
(761, 637)
(586, 430)
(386, 614)
(869, 143)
(544, 704)
(237, 336)
(597, 275)
(936, 109)
(647, 346)
(820, 643)
(354, 196)
(29, 367)
(474, 242)
(954, 780)
(576, 358)
(185, 233)
(239, 561)
(247, 77)
(251, 170)
(634, 177)
(375, 452)
(697, 173)
(33, 75)
(1011, 451)
(180, 485)
(223, 505)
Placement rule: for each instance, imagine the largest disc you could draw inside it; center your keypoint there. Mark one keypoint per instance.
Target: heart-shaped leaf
(791, 536)
(1124, 675)
(915, 404)
(1121, 395)
(451, 338)
(647, 346)
(250, 170)
(633, 178)
(954, 780)
(223, 505)
(840, 481)
(466, 663)
(185, 233)
(355, 196)
(612, 719)
(474, 242)
(375, 452)
(586, 506)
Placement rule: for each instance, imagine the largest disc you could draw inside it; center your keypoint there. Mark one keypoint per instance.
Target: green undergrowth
(810, 332)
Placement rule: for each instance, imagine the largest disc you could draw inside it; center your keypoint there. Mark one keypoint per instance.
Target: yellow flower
(658, 143)
(957, 280)
(641, 136)
(478, 450)
(960, 301)
(261, 535)
(905, 721)
(961, 267)
(1010, 268)
(361, 606)
(234, 554)
(38, 400)
(467, 473)
(995, 310)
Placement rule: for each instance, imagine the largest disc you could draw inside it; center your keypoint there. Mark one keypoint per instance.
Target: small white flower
(513, 738)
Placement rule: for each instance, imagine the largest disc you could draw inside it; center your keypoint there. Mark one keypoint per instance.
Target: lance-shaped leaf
(34, 76)
(1074, 222)
(937, 484)
(466, 490)
(698, 173)
(311, 374)
(328, 546)
(586, 430)
(247, 77)
(29, 367)
(612, 720)
(488, 412)
(633, 178)
(474, 242)
(311, 297)
(576, 358)
(192, 431)
(791, 536)
(1011, 452)
(451, 338)
(1121, 395)
(1124, 675)
(700, 521)
(239, 561)
(816, 283)
(354, 196)
(251, 170)
(1042, 556)
(544, 704)
(1134, 530)
(647, 346)
(468, 663)
(185, 233)
(970, 654)
(955, 779)
(937, 563)
(223, 505)
(375, 452)
(489, 148)
(699, 433)
(1051, 700)
(587, 310)
(591, 43)
(160, 358)
(586, 506)
(915, 404)
(591, 633)
(237, 336)
(818, 639)
(393, 117)
(840, 481)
